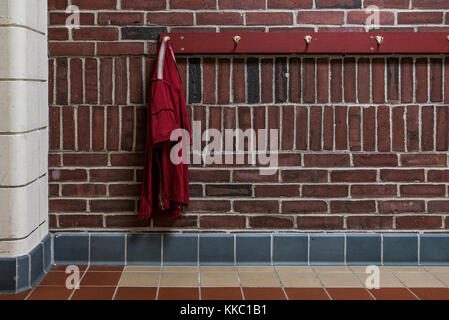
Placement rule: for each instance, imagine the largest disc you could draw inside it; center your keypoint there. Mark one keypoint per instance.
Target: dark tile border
(25, 272)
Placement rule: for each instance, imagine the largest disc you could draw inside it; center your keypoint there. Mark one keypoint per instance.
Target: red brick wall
(364, 140)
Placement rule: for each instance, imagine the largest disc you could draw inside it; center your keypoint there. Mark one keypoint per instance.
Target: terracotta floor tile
(299, 279)
(139, 279)
(101, 279)
(431, 293)
(349, 294)
(217, 269)
(94, 293)
(259, 279)
(63, 268)
(174, 279)
(340, 280)
(221, 294)
(331, 269)
(392, 294)
(264, 294)
(143, 268)
(178, 294)
(419, 279)
(306, 294)
(387, 280)
(136, 293)
(225, 279)
(55, 278)
(106, 268)
(18, 296)
(50, 293)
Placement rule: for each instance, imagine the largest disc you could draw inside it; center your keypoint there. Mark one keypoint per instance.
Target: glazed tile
(259, 279)
(393, 294)
(331, 269)
(386, 279)
(143, 268)
(299, 280)
(349, 294)
(178, 294)
(100, 278)
(94, 293)
(219, 293)
(175, 279)
(139, 279)
(264, 294)
(431, 293)
(135, 293)
(342, 279)
(228, 279)
(419, 279)
(306, 294)
(50, 293)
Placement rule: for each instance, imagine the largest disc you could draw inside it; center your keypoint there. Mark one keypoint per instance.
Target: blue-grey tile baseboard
(21, 273)
(25, 272)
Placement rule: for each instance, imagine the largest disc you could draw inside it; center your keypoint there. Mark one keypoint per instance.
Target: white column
(23, 125)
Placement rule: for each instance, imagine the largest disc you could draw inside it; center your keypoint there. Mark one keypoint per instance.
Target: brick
(373, 191)
(80, 221)
(355, 136)
(241, 4)
(121, 80)
(401, 206)
(424, 160)
(54, 129)
(192, 4)
(326, 160)
(112, 129)
(127, 159)
(427, 128)
(369, 222)
(238, 81)
(304, 207)
(420, 17)
(76, 81)
(68, 125)
(170, 18)
(315, 128)
(320, 223)
(269, 18)
(369, 129)
(195, 92)
(272, 190)
(228, 222)
(442, 131)
(267, 222)
(64, 205)
(328, 128)
(67, 175)
(398, 129)
(375, 160)
(302, 126)
(393, 80)
(106, 81)
(378, 82)
(219, 18)
(57, 4)
(71, 49)
(412, 128)
(182, 222)
(430, 4)
(438, 206)
(223, 86)
(325, 191)
(215, 118)
(446, 84)
(120, 48)
(363, 80)
(295, 78)
(104, 34)
(288, 127)
(349, 80)
(367, 206)
(391, 175)
(436, 80)
(423, 190)
(421, 82)
(308, 81)
(54, 160)
(266, 80)
(340, 4)
(58, 34)
(60, 18)
(406, 80)
(84, 126)
(209, 175)
(321, 17)
(354, 176)
(95, 5)
(398, 4)
(120, 190)
(383, 129)
(85, 159)
(143, 4)
(341, 128)
(229, 190)
(336, 80)
(120, 18)
(290, 4)
(112, 205)
(304, 176)
(418, 222)
(252, 82)
(135, 80)
(91, 81)
(322, 80)
(83, 190)
(256, 206)
(111, 175)
(127, 128)
(142, 33)
(280, 82)
(360, 17)
(61, 81)
(438, 175)
(126, 221)
(209, 206)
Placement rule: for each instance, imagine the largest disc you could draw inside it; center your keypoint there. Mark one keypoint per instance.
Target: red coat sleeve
(163, 112)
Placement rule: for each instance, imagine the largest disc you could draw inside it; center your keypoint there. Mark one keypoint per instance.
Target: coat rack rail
(300, 42)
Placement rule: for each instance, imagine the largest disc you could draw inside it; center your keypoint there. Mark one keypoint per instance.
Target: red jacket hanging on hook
(165, 185)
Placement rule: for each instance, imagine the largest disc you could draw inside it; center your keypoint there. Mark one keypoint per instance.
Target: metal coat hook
(379, 40)
(237, 40)
(308, 39)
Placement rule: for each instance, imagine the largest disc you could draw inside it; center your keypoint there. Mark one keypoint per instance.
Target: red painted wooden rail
(321, 42)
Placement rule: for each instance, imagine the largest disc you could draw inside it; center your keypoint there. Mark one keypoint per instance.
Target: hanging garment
(165, 187)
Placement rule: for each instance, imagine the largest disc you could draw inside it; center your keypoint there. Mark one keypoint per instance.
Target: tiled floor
(237, 283)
